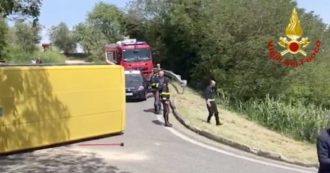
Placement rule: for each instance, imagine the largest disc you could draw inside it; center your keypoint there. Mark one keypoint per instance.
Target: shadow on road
(157, 122)
(133, 100)
(151, 110)
(202, 120)
(54, 161)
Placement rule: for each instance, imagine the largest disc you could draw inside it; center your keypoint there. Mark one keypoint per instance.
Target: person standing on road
(323, 151)
(155, 88)
(155, 91)
(211, 105)
(165, 97)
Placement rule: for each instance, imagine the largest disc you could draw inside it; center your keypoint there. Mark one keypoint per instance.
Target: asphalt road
(152, 148)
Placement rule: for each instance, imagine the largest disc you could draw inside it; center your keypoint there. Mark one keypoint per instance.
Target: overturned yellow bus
(46, 105)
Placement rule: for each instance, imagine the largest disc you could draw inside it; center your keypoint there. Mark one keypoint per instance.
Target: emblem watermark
(293, 44)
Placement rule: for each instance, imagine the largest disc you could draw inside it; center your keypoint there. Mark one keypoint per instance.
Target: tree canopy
(107, 19)
(63, 38)
(29, 8)
(27, 36)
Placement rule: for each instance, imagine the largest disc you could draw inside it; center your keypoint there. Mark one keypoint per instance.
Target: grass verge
(191, 107)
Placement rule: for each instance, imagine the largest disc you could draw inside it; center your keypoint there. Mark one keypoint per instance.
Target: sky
(73, 12)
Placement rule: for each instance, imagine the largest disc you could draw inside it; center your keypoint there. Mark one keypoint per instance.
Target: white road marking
(186, 138)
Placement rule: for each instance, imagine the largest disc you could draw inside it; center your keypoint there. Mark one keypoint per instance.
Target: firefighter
(155, 91)
(211, 105)
(164, 96)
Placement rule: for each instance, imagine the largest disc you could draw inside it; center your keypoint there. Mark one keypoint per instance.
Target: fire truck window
(111, 57)
(136, 55)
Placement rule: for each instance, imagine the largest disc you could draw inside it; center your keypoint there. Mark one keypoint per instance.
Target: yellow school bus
(46, 105)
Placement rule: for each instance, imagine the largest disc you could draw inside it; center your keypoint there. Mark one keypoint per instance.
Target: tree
(91, 39)
(63, 38)
(108, 19)
(27, 36)
(30, 8)
(20, 7)
(225, 40)
(3, 37)
(104, 24)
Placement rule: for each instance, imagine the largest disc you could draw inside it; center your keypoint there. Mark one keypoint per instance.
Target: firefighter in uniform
(165, 97)
(211, 105)
(155, 91)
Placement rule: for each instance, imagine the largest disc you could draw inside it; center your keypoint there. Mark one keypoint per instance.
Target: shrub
(17, 56)
(51, 57)
(301, 121)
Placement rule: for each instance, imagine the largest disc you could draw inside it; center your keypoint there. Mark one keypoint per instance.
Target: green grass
(19, 57)
(51, 57)
(247, 129)
(300, 121)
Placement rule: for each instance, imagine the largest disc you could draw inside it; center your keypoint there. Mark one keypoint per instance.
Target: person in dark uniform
(211, 105)
(323, 151)
(155, 90)
(165, 97)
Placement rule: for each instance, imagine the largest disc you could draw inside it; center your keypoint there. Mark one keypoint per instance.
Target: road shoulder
(203, 129)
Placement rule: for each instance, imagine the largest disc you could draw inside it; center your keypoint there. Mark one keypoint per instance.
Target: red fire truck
(131, 54)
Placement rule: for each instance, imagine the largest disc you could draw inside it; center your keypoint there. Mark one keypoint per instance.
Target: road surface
(149, 148)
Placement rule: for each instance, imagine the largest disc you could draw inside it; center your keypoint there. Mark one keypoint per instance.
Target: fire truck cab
(131, 54)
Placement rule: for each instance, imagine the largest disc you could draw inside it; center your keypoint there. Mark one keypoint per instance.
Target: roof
(130, 42)
(127, 44)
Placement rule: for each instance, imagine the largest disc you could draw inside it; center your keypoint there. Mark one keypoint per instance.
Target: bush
(303, 122)
(51, 57)
(17, 56)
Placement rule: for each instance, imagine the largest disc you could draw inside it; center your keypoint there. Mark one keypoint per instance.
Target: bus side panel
(41, 106)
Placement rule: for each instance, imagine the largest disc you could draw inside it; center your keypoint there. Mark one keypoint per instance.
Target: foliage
(89, 38)
(19, 56)
(52, 57)
(20, 7)
(296, 119)
(19, 42)
(27, 36)
(3, 38)
(63, 38)
(103, 25)
(107, 19)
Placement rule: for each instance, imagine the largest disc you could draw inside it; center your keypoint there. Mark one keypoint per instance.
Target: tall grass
(298, 120)
(17, 56)
(51, 57)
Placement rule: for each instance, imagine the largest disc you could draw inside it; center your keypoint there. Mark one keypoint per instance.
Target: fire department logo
(293, 44)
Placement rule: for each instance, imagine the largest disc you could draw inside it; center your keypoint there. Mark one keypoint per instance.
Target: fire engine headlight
(141, 88)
